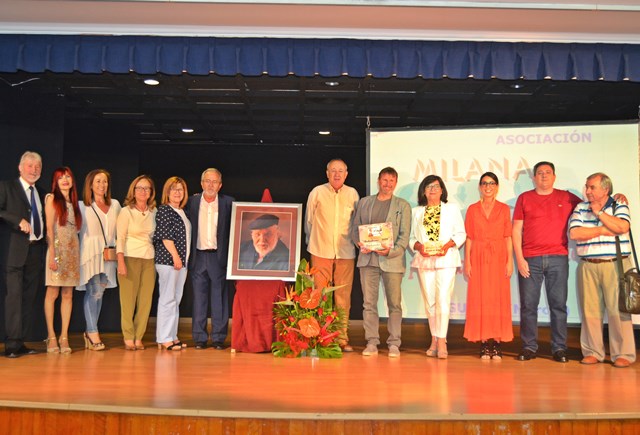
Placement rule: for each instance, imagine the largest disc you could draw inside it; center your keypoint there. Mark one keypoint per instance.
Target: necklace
(144, 211)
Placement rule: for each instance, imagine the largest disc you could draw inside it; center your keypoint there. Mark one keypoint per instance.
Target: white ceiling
(612, 21)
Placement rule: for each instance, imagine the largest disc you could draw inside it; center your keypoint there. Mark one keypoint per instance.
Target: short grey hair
(30, 155)
(210, 170)
(605, 181)
(337, 160)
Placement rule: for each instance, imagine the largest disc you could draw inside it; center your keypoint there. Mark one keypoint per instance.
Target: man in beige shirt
(328, 220)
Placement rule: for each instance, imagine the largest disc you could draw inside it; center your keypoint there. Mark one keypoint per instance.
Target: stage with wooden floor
(212, 391)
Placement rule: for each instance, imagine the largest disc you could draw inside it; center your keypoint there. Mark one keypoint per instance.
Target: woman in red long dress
(488, 266)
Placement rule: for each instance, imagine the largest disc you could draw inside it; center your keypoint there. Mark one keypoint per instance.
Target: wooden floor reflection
(227, 384)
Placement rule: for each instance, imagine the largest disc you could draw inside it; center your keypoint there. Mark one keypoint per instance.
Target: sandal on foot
(485, 351)
(496, 351)
(169, 346)
(89, 344)
(64, 348)
(51, 348)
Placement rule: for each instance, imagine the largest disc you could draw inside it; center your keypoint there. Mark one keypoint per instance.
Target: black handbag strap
(101, 227)
(619, 253)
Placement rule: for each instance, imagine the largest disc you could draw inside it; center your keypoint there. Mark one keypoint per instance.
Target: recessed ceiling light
(324, 132)
(332, 84)
(151, 82)
(517, 85)
(187, 130)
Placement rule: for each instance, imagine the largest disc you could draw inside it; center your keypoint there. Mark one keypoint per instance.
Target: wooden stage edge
(211, 391)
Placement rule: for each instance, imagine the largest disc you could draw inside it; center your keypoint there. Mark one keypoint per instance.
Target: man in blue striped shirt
(594, 225)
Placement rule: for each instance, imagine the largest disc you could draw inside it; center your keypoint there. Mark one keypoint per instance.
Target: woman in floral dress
(63, 254)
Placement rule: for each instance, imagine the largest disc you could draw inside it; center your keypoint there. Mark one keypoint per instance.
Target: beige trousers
(597, 294)
(332, 272)
(136, 293)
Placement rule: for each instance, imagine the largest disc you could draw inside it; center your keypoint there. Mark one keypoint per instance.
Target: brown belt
(602, 260)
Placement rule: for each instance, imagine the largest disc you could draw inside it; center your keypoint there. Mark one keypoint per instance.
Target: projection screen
(461, 155)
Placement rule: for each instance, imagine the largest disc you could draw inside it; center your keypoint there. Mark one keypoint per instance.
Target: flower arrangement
(306, 321)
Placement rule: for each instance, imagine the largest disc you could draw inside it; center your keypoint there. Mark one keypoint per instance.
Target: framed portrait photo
(264, 241)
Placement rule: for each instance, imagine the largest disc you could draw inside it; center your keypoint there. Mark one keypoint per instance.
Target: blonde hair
(130, 199)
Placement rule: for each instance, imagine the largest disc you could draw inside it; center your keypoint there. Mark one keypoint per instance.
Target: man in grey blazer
(387, 263)
(22, 250)
(210, 216)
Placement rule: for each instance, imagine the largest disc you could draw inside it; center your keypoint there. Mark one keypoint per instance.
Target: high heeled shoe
(169, 346)
(88, 344)
(433, 349)
(442, 349)
(52, 349)
(64, 348)
(485, 350)
(496, 351)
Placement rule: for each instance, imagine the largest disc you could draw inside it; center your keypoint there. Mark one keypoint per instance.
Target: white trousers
(437, 287)
(170, 287)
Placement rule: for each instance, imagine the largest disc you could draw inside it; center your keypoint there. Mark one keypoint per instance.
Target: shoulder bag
(628, 282)
(109, 252)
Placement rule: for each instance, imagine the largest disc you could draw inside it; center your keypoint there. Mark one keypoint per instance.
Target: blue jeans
(554, 271)
(93, 300)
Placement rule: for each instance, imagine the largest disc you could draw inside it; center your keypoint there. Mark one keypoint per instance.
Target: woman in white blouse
(99, 214)
(136, 271)
(437, 232)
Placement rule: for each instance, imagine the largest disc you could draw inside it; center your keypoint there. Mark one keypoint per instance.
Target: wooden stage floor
(224, 384)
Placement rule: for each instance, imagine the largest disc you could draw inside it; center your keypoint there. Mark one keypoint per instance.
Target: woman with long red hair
(63, 254)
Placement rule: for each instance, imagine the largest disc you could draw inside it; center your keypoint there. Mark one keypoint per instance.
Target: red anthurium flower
(328, 338)
(309, 327)
(310, 298)
(328, 319)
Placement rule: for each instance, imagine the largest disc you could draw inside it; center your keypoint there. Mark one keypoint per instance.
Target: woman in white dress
(99, 218)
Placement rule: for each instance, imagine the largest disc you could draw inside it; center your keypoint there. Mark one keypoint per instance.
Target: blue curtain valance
(325, 57)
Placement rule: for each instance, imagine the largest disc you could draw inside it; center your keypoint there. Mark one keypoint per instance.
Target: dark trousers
(22, 284)
(209, 284)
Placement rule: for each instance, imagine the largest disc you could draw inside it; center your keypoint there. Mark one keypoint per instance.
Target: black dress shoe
(526, 355)
(12, 354)
(560, 356)
(201, 344)
(24, 350)
(218, 345)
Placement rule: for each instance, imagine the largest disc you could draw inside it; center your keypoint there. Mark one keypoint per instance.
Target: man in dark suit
(22, 250)
(210, 216)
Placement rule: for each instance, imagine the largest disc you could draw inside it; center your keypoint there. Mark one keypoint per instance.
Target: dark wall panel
(36, 124)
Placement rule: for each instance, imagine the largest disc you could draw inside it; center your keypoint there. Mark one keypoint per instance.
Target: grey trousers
(370, 281)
